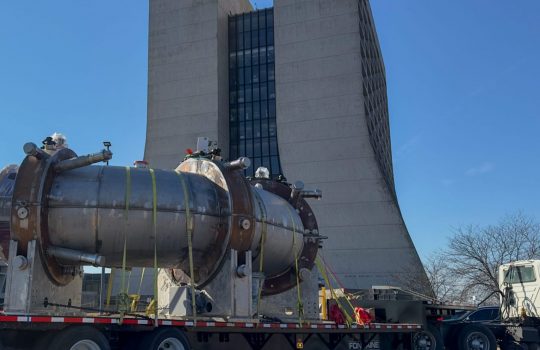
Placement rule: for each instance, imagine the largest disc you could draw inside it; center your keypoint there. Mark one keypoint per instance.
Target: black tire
(479, 334)
(429, 339)
(43, 340)
(69, 337)
(158, 338)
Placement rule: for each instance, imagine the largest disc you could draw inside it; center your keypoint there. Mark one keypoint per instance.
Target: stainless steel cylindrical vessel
(87, 211)
(284, 233)
(108, 213)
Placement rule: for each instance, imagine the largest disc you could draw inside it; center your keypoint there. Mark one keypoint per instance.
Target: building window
(374, 92)
(252, 92)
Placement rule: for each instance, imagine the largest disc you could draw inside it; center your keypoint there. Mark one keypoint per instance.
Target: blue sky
(463, 82)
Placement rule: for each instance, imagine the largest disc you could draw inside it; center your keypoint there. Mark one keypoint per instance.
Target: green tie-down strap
(300, 305)
(123, 296)
(189, 232)
(154, 222)
(322, 270)
(262, 242)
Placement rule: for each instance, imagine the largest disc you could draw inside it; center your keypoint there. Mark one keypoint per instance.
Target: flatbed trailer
(40, 332)
(399, 324)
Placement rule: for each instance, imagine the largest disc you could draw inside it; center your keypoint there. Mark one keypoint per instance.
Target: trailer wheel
(476, 337)
(80, 338)
(428, 339)
(165, 339)
(43, 341)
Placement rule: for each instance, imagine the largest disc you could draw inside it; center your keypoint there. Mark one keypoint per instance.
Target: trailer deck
(256, 335)
(215, 326)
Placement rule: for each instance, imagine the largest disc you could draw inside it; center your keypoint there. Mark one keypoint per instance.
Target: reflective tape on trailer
(204, 324)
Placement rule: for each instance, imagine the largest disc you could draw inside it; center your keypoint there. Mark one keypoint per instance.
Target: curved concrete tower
(300, 89)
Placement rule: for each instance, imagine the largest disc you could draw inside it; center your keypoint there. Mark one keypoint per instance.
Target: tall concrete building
(300, 89)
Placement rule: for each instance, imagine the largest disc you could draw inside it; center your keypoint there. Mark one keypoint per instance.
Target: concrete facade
(332, 118)
(187, 76)
(324, 139)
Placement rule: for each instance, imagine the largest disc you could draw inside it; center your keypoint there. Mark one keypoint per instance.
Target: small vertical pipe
(107, 145)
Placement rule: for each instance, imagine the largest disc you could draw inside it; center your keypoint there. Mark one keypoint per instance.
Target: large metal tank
(85, 214)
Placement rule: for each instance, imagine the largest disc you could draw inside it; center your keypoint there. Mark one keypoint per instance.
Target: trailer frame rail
(217, 326)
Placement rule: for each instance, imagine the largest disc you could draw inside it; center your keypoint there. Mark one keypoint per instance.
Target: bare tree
(445, 284)
(414, 279)
(475, 253)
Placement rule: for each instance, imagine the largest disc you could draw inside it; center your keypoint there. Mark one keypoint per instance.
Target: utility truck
(235, 261)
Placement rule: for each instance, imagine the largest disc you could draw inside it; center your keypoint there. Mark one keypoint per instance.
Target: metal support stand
(230, 292)
(28, 285)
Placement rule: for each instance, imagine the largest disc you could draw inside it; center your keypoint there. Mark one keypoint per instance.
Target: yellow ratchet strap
(154, 220)
(346, 295)
(123, 302)
(109, 288)
(189, 231)
(322, 270)
(263, 241)
(300, 305)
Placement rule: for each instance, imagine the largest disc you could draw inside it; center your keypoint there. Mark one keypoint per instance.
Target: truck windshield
(519, 274)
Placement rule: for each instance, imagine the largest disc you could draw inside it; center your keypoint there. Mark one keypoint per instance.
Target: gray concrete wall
(187, 76)
(324, 141)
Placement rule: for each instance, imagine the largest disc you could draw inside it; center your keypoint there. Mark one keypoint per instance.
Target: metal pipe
(31, 149)
(76, 256)
(82, 161)
(297, 188)
(299, 191)
(311, 194)
(241, 164)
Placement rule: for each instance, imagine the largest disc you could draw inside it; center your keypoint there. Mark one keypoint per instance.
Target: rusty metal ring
(287, 280)
(34, 181)
(237, 233)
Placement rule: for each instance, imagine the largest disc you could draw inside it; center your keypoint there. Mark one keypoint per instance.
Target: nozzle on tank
(31, 149)
(83, 161)
(239, 164)
(76, 256)
(299, 191)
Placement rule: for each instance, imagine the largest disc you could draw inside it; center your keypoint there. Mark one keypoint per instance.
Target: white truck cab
(519, 281)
